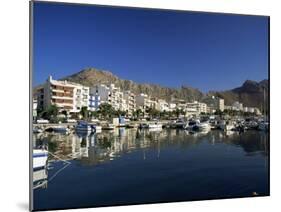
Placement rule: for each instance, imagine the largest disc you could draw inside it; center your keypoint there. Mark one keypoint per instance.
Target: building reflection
(93, 149)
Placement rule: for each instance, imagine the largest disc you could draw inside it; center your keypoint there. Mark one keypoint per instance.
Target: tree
(218, 112)
(50, 113)
(137, 113)
(106, 110)
(84, 112)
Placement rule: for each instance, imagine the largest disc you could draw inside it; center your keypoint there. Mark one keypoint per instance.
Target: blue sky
(168, 48)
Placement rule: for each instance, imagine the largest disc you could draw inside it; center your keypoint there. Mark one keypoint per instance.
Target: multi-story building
(142, 101)
(237, 106)
(34, 108)
(172, 106)
(81, 97)
(252, 110)
(65, 95)
(162, 105)
(130, 99)
(214, 103)
(111, 95)
(198, 106)
(95, 100)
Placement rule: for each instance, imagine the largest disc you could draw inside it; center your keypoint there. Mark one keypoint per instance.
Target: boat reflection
(91, 149)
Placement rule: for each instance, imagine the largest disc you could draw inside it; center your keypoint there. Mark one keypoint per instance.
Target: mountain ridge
(250, 93)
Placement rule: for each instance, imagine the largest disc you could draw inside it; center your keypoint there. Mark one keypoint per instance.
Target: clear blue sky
(169, 48)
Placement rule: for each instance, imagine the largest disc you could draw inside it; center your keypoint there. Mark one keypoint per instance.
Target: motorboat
(226, 125)
(204, 126)
(190, 125)
(179, 124)
(196, 125)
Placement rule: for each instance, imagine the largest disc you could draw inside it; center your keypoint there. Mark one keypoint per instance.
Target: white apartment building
(142, 101)
(214, 103)
(65, 95)
(172, 106)
(81, 97)
(130, 100)
(162, 105)
(237, 106)
(111, 95)
(198, 106)
(34, 108)
(252, 110)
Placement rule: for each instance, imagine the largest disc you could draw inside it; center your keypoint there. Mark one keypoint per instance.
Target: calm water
(128, 166)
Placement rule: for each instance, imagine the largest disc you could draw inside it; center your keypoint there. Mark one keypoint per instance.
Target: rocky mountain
(251, 93)
(92, 77)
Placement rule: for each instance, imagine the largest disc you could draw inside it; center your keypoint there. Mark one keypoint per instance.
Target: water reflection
(94, 148)
(129, 166)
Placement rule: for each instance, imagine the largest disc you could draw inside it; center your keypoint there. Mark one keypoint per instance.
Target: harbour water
(130, 166)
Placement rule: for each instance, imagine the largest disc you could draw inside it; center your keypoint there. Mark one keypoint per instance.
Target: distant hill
(251, 93)
(92, 77)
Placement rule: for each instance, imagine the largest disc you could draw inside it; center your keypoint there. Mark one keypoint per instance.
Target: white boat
(226, 125)
(190, 124)
(204, 126)
(196, 125)
(179, 124)
(155, 125)
(40, 157)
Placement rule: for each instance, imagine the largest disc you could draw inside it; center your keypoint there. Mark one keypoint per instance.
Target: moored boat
(226, 125)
